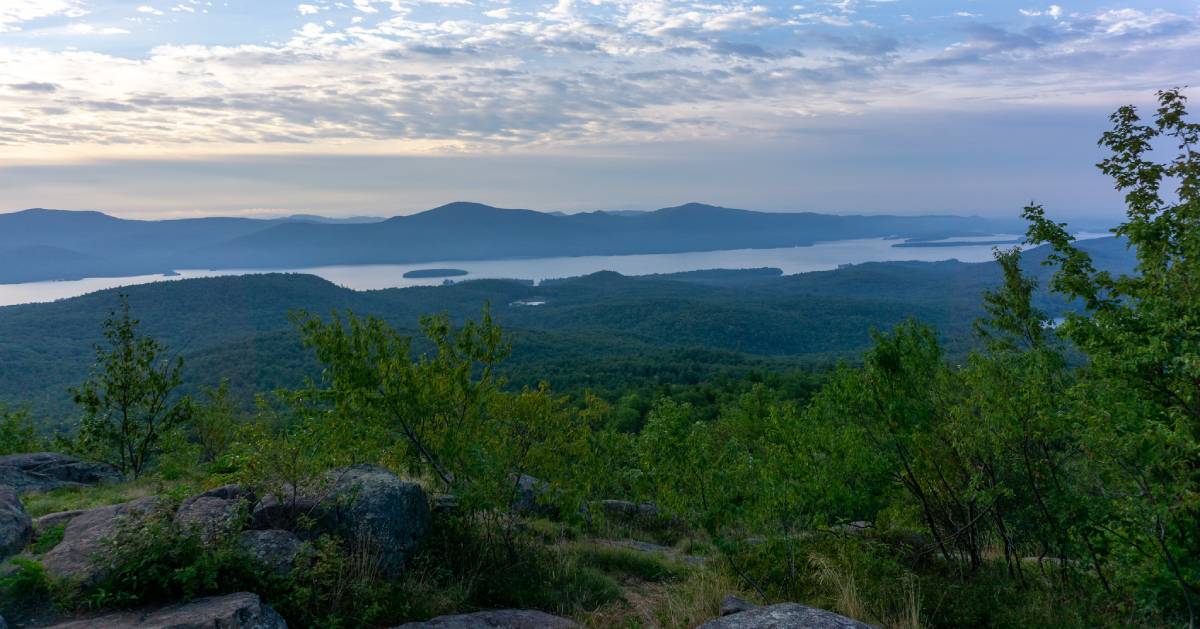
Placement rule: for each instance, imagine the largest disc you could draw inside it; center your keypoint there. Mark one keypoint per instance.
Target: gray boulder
(735, 605)
(530, 497)
(232, 611)
(54, 519)
(372, 507)
(16, 528)
(626, 510)
(496, 619)
(286, 510)
(76, 556)
(215, 512)
(784, 616)
(44, 471)
(274, 549)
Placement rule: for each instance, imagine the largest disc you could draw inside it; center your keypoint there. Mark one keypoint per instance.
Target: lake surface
(819, 257)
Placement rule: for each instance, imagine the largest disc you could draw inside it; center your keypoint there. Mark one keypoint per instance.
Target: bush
(153, 559)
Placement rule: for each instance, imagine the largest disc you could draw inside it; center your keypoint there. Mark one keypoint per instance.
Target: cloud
(13, 13)
(308, 9)
(418, 76)
(145, 8)
(36, 87)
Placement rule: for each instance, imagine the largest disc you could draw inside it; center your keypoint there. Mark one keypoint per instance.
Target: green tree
(129, 401)
(1140, 399)
(16, 431)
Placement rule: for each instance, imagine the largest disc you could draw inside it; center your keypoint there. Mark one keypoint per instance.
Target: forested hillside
(603, 331)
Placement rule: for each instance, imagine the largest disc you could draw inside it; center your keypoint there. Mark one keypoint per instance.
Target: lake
(819, 257)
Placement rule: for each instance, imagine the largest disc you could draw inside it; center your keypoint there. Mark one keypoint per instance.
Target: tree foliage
(129, 400)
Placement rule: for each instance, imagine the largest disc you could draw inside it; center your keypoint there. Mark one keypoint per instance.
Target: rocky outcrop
(232, 611)
(215, 512)
(274, 549)
(735, 605)
(51, 520)
(784, 615)
(629, 511)
(16, 528)
(44, 471)
(374, 508)
(531, 495)
(76, 556)
(496, 619)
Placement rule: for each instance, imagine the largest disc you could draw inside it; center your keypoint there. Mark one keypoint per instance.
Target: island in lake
(419, 273)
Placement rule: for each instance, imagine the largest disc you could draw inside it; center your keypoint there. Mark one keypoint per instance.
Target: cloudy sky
(188, 107)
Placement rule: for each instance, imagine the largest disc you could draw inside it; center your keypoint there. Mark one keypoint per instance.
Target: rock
(496, 619)
(445, 503)
(530, 498)
(16, 528)
(43, 471)
(215, 512)
(626, 510)
(734, 605)
(3, 625)
(274, 512)
(375, 508)
(275, 549)
(54, 519)
(82, 544)
(858, 527)
(784, 615)
(232, 611)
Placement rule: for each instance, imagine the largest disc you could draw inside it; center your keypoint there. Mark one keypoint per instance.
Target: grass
(628, 563)
(76, 498)
(47, 539)
(680, 604)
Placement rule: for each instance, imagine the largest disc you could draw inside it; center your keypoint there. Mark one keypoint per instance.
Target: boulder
(54, 519)
(735, 605)
(232, 611)
(75, 557)
(274, 549)
(215, 512)
(3, 625)
(626, 510)
(496, 619)
(16, 528)
(784, 615)
(372, 507)
(530, 497)
(286, 512)
(44, 471)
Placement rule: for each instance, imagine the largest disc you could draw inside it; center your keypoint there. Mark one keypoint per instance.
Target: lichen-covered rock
(274, 549)
(374, 508)
(232, 611)
(784, 616)
(495, 619)
(16, 528)
(43, 471)
(76, 556)
(215, 512)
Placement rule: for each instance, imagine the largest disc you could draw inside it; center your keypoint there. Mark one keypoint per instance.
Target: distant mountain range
(41, 244)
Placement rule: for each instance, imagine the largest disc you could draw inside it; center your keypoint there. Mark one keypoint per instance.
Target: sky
(157, 109)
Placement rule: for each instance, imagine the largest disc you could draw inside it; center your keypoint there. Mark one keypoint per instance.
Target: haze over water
(819, 257)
